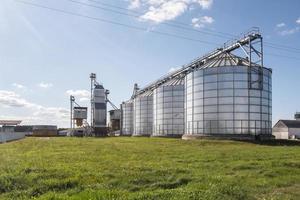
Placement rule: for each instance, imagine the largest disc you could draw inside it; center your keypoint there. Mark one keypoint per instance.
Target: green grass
(147, 168)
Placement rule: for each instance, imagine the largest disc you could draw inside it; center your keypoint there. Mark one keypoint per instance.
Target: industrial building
(99, 100)
(7, 131)
(79, 126)
(114, 121)
(287, 129)
(99, 125)
(44, 131)
(217, 95)
(12, 130)
(37, 130)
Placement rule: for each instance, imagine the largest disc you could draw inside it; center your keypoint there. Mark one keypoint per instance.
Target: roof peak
(227, 59)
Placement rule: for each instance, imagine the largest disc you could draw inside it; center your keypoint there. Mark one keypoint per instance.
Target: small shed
(287, 129)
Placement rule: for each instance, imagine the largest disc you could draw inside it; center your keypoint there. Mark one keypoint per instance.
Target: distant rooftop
(289, 123)
(10, 122)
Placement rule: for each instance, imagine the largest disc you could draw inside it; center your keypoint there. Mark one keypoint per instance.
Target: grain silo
(229, 97)
(225, 95)
(168, 109)
(143, 114)
(127, 118)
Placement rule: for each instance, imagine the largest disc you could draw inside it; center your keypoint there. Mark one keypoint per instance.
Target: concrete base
(125, 135)
(168, 136)
(265, 137)
(136, 135)
(239, 137)
(100, 132)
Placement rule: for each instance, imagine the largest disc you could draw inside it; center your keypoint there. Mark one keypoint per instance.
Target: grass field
(147, 168)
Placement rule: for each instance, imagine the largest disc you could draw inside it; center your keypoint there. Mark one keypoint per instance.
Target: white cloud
(82, 95)
(134, 4)
(280, 25)
(78, 93)
(11, 99)
(166, 11)
(18, 86)
(56, 113)
(289, 31)
(163, 10)
(84, 99)
(173, 69)
(45, 85)
(205, 4)
(202, 21)
(37, 114)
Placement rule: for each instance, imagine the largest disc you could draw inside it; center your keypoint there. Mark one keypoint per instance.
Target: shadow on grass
(276, 142)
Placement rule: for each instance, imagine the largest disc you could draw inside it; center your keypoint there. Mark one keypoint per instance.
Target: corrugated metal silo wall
(143, 115)
(127, 118)
(219, 101)
(168, 111)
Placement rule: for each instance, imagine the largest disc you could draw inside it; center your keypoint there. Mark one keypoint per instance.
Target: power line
(130, 26)
(283, 56)
(224, 34)
(175, 24)
(282, 46)
(173, 21)
(115, 23)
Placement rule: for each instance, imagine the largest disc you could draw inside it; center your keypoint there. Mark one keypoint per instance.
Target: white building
(287, 129)
(7, 131)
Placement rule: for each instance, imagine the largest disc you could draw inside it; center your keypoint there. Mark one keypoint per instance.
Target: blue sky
(47, 55)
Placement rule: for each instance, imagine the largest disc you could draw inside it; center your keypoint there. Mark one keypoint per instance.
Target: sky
(47, 55)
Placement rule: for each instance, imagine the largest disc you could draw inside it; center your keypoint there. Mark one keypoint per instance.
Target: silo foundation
(100, 132)
(239, 137)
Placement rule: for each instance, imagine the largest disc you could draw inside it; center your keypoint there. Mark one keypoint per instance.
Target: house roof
(289, 123)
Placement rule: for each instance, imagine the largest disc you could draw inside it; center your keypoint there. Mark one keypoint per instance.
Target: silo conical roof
(174, 81)
(227, 59)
